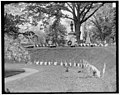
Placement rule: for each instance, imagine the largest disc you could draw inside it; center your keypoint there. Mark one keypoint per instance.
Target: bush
(14, 50)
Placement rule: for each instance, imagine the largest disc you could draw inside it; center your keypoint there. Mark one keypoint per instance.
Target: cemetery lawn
(55, 79)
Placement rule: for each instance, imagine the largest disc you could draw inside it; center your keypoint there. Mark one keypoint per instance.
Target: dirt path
(28, 72)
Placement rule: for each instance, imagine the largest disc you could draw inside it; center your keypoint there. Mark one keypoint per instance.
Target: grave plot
(101, 58)
(83, 67)
(69, 70)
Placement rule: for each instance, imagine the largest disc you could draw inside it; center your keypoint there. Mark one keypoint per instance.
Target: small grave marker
(37, 62)
(41, 63)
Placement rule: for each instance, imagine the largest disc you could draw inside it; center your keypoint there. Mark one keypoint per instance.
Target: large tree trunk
(77, 31)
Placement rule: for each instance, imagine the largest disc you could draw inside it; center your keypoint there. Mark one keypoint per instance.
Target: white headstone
(74, 63)
(45, 63)
(106, 45)
(61, 63)
(104, 69)
(41, 63)
(37, 62)
(66, 63)
(78, 64)
(70, 64)
(55, 63)
(49, 63)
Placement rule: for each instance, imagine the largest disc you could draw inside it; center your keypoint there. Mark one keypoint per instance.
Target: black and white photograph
(59, 47)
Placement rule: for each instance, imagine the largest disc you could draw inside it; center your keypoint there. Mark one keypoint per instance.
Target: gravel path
(55, 79)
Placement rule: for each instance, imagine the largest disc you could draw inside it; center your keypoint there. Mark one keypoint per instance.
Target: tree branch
(69, 5)
(74, 15)
(73, 10)
(92, 13)
(87, 11)
(96, 19)
(78, 11)
(65, 8)
(97, 25)
(83, 10)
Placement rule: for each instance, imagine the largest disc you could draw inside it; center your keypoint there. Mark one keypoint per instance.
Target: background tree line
(102, 17)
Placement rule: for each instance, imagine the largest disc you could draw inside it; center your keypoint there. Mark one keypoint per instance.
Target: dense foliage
(81, 12)
(104, 23)
(14, 51)
(57, 33)
(30, 14)
(10, 25)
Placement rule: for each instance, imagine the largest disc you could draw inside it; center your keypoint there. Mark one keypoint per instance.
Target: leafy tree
(13, 48)
(24, 18)
(83, 12)
(57, 32)
(80, 12)
(105, 23)
(34, 11)
(10, 27)
(14, 51)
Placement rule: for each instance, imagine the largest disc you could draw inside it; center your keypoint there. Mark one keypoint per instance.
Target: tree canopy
(104, 22)
(80, 12)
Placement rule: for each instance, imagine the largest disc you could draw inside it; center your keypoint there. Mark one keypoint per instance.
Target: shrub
(15, 51)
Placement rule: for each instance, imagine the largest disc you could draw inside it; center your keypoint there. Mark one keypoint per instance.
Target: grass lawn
(54, 78)
(95, 55)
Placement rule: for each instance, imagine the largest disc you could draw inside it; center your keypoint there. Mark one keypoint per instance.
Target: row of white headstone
(84, 44)
(44, 45)
(82, 64)
(38, 45)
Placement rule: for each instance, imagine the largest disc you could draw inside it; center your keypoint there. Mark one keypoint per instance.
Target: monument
(71, 35)
(88, 36)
